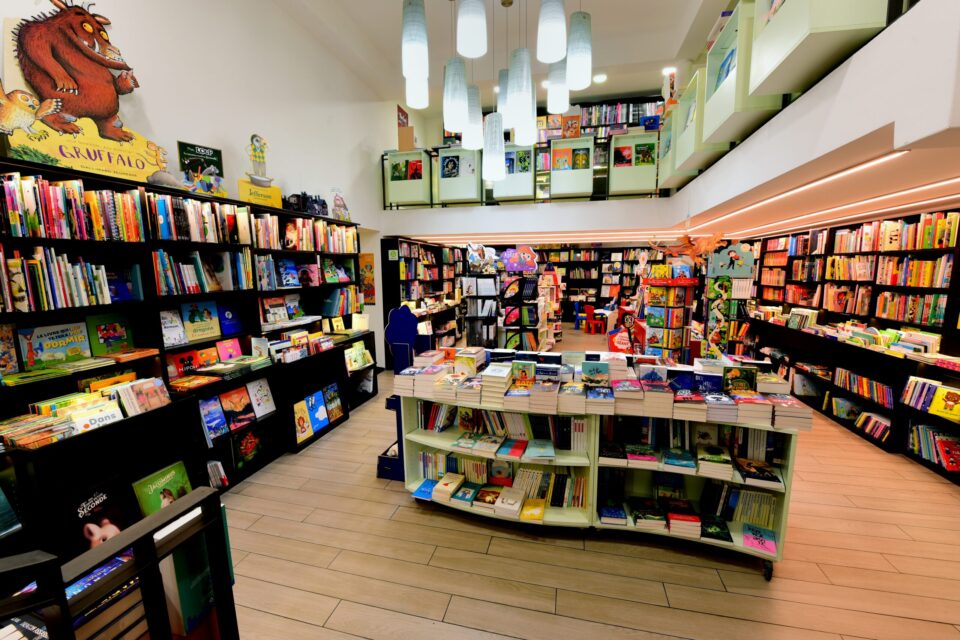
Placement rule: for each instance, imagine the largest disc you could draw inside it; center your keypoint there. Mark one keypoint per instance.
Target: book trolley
(588, 464)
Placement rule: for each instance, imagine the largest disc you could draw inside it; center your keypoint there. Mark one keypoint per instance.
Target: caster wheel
(767, 570)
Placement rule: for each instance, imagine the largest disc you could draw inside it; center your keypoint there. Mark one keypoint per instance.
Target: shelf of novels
(795, 43)
(730, 112)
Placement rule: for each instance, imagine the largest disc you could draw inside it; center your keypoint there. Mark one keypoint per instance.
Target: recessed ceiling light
(545, 84)
(600, 78)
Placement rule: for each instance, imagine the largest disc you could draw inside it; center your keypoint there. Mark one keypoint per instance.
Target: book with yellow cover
(946, 403)
(533, 509)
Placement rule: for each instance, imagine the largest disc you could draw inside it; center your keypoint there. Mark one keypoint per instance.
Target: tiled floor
(325, 550)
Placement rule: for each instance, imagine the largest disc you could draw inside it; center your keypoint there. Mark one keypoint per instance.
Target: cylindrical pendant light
(558, 95)
(471, 28)
(551, 31)
(417, 92)
(520, 87)
(493, 153)
(503, 88)
(525, 131)
(414, 55)
(580, 52)
(473, 132)
(455, 95)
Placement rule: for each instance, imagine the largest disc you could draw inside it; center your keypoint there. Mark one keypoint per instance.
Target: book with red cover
(512, 449)
(949, 451)
(748, 397)
(656, 386)
(688, 395)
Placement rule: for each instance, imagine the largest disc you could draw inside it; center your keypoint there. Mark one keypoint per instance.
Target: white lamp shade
(558, 95)
(471, 28)
(579, 52)
(417, 92)
(455, 95)
(552, 31)
(414, 55)
(473, 132)
(494, 168)
(520, 88)
(503, 85)
(525, 132)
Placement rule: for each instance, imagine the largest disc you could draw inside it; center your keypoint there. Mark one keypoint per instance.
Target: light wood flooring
(324, 550)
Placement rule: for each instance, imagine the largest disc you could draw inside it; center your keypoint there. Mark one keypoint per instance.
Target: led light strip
(895, 194)
(810, 185)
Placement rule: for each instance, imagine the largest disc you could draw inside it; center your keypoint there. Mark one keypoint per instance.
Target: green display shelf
(633, 163)
(667, 175)
(691, 152)
(730, 113)
(569, 182)
(459, 173)
(406, 191)
(519, 183)
(804, 39)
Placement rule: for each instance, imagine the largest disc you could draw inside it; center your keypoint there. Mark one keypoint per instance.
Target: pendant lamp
(525, 131)
(579, 52)
(455, 95)
(558, 95)
(520, 88)
(414, 55)
(417, 92)
(493, 153)
(551, 31)
(503, 86)
(473, 132)
(471, 28)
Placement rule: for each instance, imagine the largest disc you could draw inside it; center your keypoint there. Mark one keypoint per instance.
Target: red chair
(593, 324)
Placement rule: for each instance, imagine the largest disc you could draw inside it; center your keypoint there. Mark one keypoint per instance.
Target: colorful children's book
(207, 357)
(162, 488)
(229, 319)
(181, 363)
(228, 349)
(102, 512)
(213, 417)
(946, 403)
(301, 419)
(759, 539)
(42, 347)
(331, 397)
(260, 396)
(237, 408)
(739, 379)
(596, 374)
(8, 350)
(289, 277)
(425, 490)
(200, 320)
(172, 327)
(109, 333)
(318, 411)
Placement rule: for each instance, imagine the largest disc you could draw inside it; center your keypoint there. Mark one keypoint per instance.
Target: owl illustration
(19, 110)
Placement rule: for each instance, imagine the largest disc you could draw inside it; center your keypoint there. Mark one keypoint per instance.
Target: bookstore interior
(511, 336)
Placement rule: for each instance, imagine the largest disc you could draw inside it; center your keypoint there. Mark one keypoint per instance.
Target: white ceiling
(632, 40)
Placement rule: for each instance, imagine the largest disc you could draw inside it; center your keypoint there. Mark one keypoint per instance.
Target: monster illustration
(695, 248)
(66, 55)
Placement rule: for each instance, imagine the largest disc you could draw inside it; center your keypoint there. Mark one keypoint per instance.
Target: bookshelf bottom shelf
(736, 532)
(553, 517)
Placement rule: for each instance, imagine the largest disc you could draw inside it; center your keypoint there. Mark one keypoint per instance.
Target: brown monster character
(67, 55)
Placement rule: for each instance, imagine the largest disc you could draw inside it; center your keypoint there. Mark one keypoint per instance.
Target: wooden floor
(325, 550)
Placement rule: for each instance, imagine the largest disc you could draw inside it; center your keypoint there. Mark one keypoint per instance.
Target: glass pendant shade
(558, 95)
(579, 52)
(417, 92)
(455, 95)
(473, 132)
(503, 86)
(414, 56)
(525, 131)
(520, 88)
(471, 28)
(551, 31)
(494, 168)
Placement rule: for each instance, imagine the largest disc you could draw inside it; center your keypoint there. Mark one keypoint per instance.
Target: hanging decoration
(473, 132)
(503, 86)
(552, 32)
(579, 52)
(494, 166)
(417, 92)
(414, 54)
(455, 95)
(472, 29)
(520, 88)
(558, 95)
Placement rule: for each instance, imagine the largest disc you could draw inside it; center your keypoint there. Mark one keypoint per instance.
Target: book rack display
(482, 317)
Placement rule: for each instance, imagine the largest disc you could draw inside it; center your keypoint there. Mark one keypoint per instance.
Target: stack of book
(790, 413)
(757, 473)
(425, 379)
(689, 405)
(681, 518)
(600, 401)
(772, 383)
(657, 399)
(469, 391)
(496, 380)
(517, 398)
(512, 449)
(544, 396)
(572, 398)
(617, 363)
(612, 454)
(509, 503)
(403, 382)
(428, 358)
(539, 451)
(642, 456)
(720, 408)
(486, 498)
(645, 513)
(752, 408)
(445, 389)
(628, 397)
(446, 487)
(470, 360)
(679, 461)
(714, 462)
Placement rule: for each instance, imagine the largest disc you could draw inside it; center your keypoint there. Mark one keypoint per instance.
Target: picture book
(595, 373)
(727, 65)
(571, 126)
(162, 488)
(228, 349)
(398, 170)
(237, 408)
(292, 304)
(213, 417)
(466, 493)
(414, 169)
(523, 161)
(109, 333)
(288, 273)
(181, 363)
(207, 357)
(200, 320)
(301, 421)
(644, 153)
(946, 403)
(554, 121)
(8, 350)
(562, 159)
(581, 159)
(41, 347)
(102, 512)
(759, 539)
(331, 397)
(450, 167)
(245, 449)
(172, 327)
(317, 411)
(623, 156)
(229, 319)
(524, 373)
(260, 396)
(309, 275)
(739, 379)
(425, 490)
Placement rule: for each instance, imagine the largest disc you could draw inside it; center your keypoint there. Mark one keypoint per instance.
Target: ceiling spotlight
(600, 78)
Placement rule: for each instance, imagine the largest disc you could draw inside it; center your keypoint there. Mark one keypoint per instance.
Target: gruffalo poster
(62, 90)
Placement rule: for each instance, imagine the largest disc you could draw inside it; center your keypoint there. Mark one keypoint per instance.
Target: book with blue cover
(595, 374)
(289, 276)
(679, 458)
(465, 494)
(425, 490)
(213, 417)
(540, 449)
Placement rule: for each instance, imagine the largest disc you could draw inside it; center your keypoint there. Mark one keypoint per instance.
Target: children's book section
(144, 330)
(603, 439)
(862, 319)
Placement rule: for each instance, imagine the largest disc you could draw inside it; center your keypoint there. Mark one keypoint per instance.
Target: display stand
(459, 175)
(668, 176)
(519, 182)
(571, 171)
(691, 151)
(405, 190)
(730, 113)
(636, 172)
(804, 39)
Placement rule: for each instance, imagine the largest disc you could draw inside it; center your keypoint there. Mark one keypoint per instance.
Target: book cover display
(200, 320)
(101, 513)
(43, 346)
(459, 175)
(571, 171)
(238, 408)
(162, 488)
(633, 164)
(109, 333)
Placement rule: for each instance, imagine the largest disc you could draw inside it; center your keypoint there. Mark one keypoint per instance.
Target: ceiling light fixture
(600, 78)
(520, 88)
(558, 95)
(472, 28)
(473, 132)
(579, 51)
(417, 91)
(414, 54)
(494, 164)
(858, 203)
(552, 31)
(810, 185)
(525, 131)
(455, 95)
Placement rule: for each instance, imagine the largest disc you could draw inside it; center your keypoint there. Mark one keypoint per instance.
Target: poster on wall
(403, 120)
(367, 281)
(63, 84)
(202, 169)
